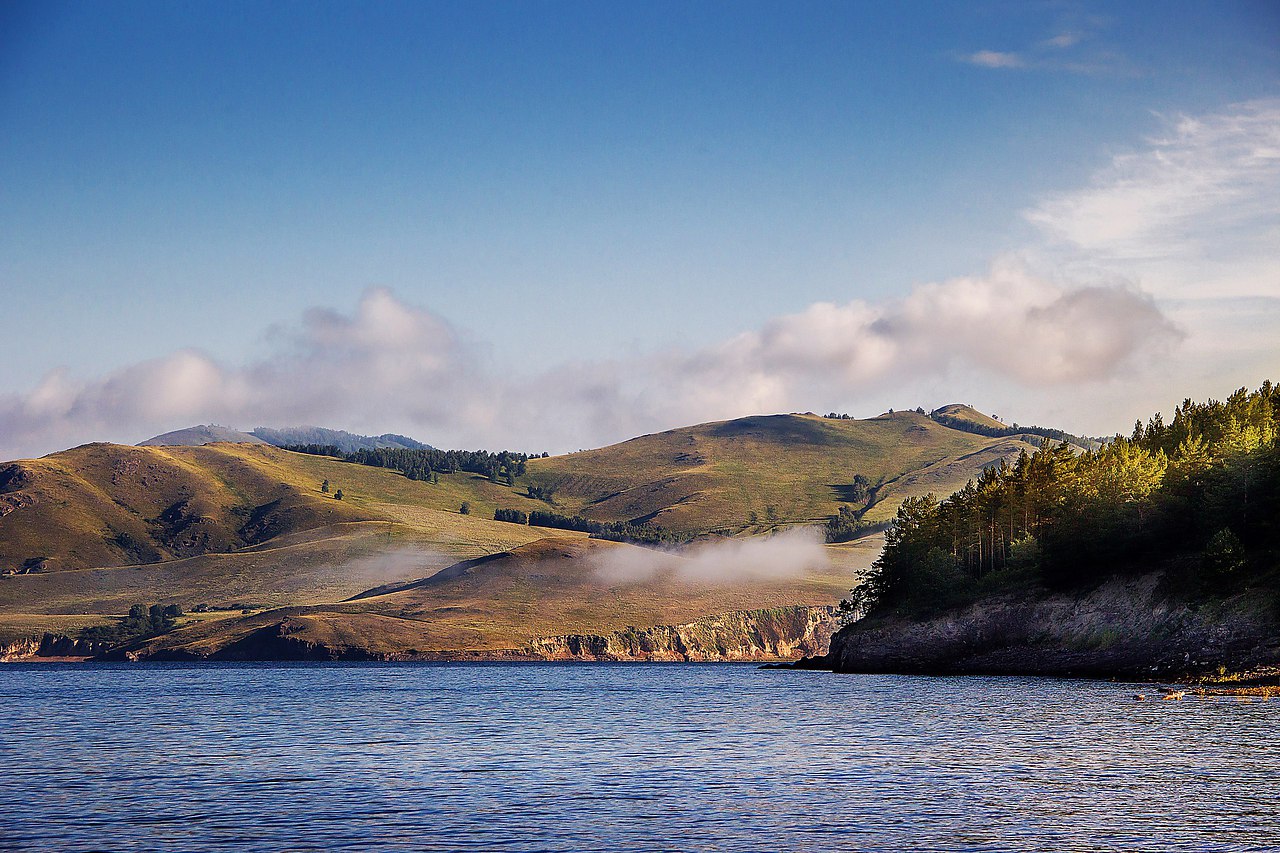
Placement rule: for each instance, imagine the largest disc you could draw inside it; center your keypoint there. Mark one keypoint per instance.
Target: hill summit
(347, 442)
(198, 436)
(966, 415)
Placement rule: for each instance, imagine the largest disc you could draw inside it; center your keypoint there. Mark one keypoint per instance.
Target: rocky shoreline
(49, 647)
(774, 634)
(1124, 628)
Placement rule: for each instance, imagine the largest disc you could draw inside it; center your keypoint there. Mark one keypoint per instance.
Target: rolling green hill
(87, 532)
(968, 415)
(105, 505)
(714, 476)
(504, 603)
(203, 434)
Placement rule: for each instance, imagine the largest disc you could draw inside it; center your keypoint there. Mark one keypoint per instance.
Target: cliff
(777, 633)
(1128, 628)
(780, 633)
(48, 646)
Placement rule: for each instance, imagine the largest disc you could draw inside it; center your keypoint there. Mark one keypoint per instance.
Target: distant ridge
(347, 442)
(199, 435)
(968, 419)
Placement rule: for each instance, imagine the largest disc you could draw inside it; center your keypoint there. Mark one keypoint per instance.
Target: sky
(556, 225)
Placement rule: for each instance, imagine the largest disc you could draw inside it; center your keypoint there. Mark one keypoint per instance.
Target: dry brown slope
(109, 505)
(970, 415)
(553, 586)
(714, 475)
(105, 505)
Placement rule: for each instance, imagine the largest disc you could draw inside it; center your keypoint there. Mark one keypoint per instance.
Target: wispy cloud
(1196, 210)
(1063, 41)
(994, 59)
(1073, 50)
(1193, 216)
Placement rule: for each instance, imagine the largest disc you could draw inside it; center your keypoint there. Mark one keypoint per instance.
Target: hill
(1156, 551)
(90, 531)
(502, 605)
(103, 505)
(347, 442)
(779, 469)
(961, 416)
(967, 419)
(198, 435)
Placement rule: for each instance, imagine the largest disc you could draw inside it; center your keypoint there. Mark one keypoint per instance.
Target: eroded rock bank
(780, 633)
(1125, 628)
(749, 635)
(48, 645)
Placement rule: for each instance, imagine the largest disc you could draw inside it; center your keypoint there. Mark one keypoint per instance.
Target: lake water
(547, 757)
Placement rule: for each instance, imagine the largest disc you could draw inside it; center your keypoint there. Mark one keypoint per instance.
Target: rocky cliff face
(781, 633)
(47, 646)
(279, 641)
(747, 635)
(1124, 628)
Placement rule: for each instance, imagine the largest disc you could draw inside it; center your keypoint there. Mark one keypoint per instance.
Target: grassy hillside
(104, 505)
(552, 586)
(203, 434)
(969, 416)
(713, 476)
(240, 526)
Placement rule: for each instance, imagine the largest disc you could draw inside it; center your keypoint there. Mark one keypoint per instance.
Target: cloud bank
(392, 365)
(1167, 251)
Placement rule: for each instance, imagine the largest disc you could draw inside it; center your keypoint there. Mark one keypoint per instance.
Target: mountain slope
(714, 476)
(198, 435)
(104, 505)
(234, 526)
(551, 587)
(967, 416)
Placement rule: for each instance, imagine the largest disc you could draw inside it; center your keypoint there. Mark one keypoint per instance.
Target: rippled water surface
(619, 757)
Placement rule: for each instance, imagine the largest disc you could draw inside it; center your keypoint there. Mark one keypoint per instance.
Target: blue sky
(584, 192)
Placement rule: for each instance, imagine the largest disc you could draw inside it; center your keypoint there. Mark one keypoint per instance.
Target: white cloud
(1160, 268)
(1062, 41)
(1065, 52)
(994, 59)
(395, 366)
(1195, 212)
(386, 361)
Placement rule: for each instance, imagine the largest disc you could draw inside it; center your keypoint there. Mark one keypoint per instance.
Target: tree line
(1200, 495)
(617, 531)
(426, 464)
(1000, 432)
(141, 623)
